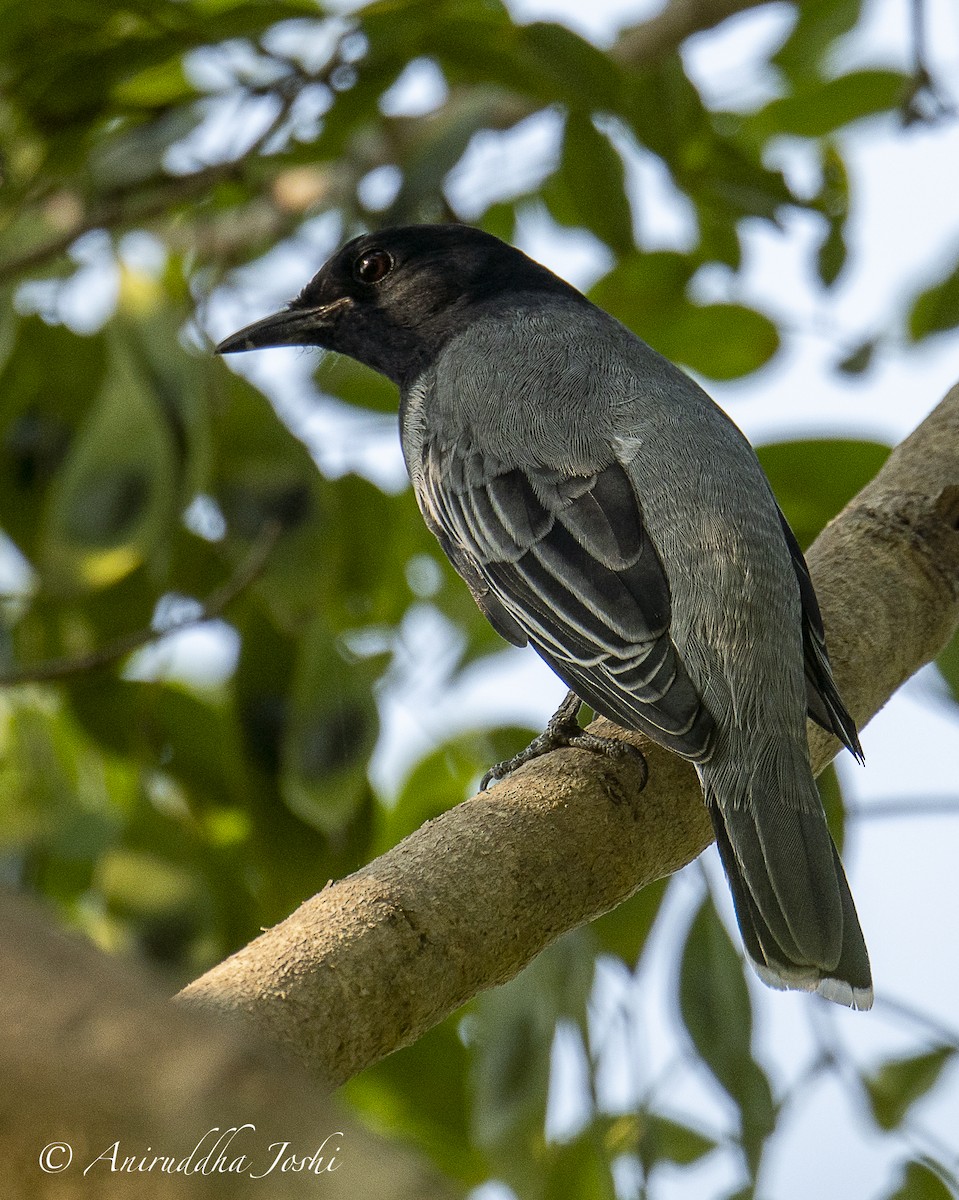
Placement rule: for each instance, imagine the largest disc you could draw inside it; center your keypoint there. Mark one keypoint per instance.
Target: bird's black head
(392, 299)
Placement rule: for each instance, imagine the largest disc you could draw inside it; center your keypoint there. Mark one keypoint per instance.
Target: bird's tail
(793, 904)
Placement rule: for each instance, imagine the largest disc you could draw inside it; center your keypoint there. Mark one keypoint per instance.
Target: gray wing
(567, 563)
(825, 705)
(488, 604)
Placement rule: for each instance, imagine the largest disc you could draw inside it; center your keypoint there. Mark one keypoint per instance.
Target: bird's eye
(373, 266)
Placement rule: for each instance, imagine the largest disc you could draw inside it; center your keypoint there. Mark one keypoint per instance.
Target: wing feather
(569, 562)
(826, 706)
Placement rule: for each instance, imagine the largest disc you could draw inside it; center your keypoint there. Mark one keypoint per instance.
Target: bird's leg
(563, 729)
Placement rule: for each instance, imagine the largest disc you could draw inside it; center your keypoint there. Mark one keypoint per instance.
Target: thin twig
(924, 101)
(943, 806)
(930, 1145)
(123, 210)
(215, 604)
(916, 1016)
(642, 45)
(164, 191)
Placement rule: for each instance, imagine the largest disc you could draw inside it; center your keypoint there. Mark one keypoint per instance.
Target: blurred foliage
(144, 485)
(711, 987)
(898, 1084)
(922, 1181)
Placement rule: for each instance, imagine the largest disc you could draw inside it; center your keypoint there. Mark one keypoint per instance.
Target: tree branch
(91, 1053)
(123, 210)
(663, 34)
(155, 196)
(465, 902)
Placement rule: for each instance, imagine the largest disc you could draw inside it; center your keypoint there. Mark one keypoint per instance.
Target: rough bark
(465, 902)
(92, 1053)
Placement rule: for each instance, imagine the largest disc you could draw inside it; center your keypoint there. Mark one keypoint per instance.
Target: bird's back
(562, 386)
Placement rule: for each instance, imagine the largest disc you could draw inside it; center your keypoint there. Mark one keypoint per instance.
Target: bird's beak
(291, 327)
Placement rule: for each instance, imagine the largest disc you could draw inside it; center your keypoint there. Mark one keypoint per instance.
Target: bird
(602, 509)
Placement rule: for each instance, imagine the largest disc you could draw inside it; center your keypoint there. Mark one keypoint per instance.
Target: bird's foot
(563, 729)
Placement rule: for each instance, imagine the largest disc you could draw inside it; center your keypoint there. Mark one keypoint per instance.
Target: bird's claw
(563, 730)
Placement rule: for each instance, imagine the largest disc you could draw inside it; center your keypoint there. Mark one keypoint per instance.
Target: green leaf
(165, 726)
(922, 1180)
(113, 503)
(624, 930)
(49, 384)
(264, 473)
(899, 1083)
(948, 664)
(573, 69)
(833, 197)
(721, 341)
(542, 60)
(719, 236)
(667, 114)
(814, 480)
(589, 188)
(422, 1093)
(140, 884)
(664, 1140)
(819, 110)
(579, 1167)
(715, 1000)
(717, 1013)
(356, 384)
(500, 220)
(371, 588)
(512, 1032)
(936, 309)
(859, 359)
(679, 1143)
(641, 285)
(293, 857)
(819, 24)
(713, 157)
(159, 86)
(731, 181)
(513, 1043)
(830, 792)
(331, 731)
(832, 253)
(54, 793)
(69, 63)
